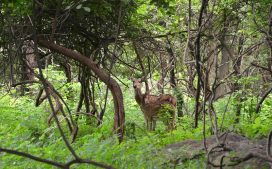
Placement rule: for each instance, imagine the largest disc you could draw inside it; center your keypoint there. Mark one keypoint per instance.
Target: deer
(151, 104)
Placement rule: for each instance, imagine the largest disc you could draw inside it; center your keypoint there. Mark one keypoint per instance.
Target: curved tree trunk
(119, 117)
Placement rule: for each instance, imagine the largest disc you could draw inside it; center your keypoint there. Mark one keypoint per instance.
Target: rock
(235, 147)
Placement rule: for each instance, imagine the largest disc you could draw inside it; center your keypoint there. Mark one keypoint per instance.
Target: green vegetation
(82, 83)
(23, 127)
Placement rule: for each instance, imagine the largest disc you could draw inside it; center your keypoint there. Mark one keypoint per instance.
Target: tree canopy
(81, 56)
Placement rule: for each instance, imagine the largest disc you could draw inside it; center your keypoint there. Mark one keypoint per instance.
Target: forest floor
(23, 127)
(235, 150)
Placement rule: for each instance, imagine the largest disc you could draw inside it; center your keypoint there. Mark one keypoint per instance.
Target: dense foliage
(67, 88)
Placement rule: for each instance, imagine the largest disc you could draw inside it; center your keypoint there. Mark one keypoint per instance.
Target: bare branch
(23, 154)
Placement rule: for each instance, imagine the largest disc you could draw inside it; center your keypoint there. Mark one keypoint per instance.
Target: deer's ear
(133, 79)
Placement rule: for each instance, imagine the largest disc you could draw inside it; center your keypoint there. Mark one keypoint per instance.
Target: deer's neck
(138, 95)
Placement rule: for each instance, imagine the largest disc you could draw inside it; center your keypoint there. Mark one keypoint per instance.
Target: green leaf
(79, 6)
(87, 9)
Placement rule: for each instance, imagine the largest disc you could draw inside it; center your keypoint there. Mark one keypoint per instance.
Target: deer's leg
(150, 124)
(147, 123)
(169, 124)
(172, 123)
(154, 124)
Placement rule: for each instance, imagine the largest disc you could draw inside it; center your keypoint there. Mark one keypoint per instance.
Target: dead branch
(23, 154)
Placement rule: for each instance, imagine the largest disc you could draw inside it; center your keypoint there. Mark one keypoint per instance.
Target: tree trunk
(223, 71)
(226, 54)
(163, 73)
(119, 117)
(236, 85)
(173, 83)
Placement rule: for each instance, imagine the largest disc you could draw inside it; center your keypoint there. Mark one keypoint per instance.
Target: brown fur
(151, 104)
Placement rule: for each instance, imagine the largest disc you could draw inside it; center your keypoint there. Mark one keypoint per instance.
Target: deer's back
(152, 103)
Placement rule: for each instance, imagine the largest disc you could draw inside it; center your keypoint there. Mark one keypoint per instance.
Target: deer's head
(137, 83)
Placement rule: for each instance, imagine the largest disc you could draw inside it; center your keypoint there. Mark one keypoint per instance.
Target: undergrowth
(23, 127)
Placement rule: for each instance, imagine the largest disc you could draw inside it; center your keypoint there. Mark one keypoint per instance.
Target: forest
(135, 84)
